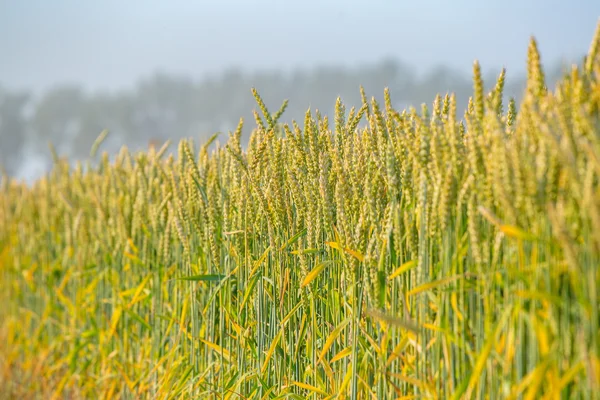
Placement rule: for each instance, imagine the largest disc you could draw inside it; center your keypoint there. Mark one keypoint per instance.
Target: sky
(113, 44)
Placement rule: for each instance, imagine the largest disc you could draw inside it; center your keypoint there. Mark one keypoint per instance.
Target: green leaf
(204, 278)
(138, 318)
(293, 239)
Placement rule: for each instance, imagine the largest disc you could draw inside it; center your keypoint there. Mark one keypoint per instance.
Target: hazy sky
(113, 43)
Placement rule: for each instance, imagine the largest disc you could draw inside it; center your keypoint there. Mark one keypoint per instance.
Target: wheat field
(417, 254)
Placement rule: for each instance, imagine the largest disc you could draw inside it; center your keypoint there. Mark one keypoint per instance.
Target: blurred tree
(57, 119)
(170, 107)
(13, 129)
(162, 108)
(98, 113)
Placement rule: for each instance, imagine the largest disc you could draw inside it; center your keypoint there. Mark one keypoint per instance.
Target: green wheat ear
(511, 115)
(280, 112)
(271, 119)
(478, 91)
(263, 107)
(592, 55)
(499, 91)
(364, 101)
(536, 80)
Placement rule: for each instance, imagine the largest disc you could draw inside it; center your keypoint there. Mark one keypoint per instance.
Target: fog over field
(153, 70)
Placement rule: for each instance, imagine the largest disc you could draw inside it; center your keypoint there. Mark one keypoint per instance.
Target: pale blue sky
(113, 43)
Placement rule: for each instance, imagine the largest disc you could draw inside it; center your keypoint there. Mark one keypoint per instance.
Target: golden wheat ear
(592, 57)
(478, 103)
(536, 80)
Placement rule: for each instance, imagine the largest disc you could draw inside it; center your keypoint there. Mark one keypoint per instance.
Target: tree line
(165, 106)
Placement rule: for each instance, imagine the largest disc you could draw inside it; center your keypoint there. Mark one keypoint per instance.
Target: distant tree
(165, 107)
(57, 118)
(162, 108)
(13, 128)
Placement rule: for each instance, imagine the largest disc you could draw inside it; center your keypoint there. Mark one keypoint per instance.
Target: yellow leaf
(334, 245)
(132, 246)
(133, 258)
(353, 253)
(356, 255)
(114, 321)
(570, 374)
(28, 275)
(516, 232)
(290, 314)
(408, 379)
(501, 343)
(345, 352)
(221, 351)
(542, 337)
(186, 304)
(128, 381)
(270, 352)
(309, 387)
(402, 269)
(329, 373)
(267, 393)
(313, 274)
(304, 251)
(346, 380)
(65, 279)
(138, 291)
(331, 338)
(65, 300)
(259, 262)
(538, 376)
(434, 328)
(454, 303)
(236, 327)
(396, 352)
